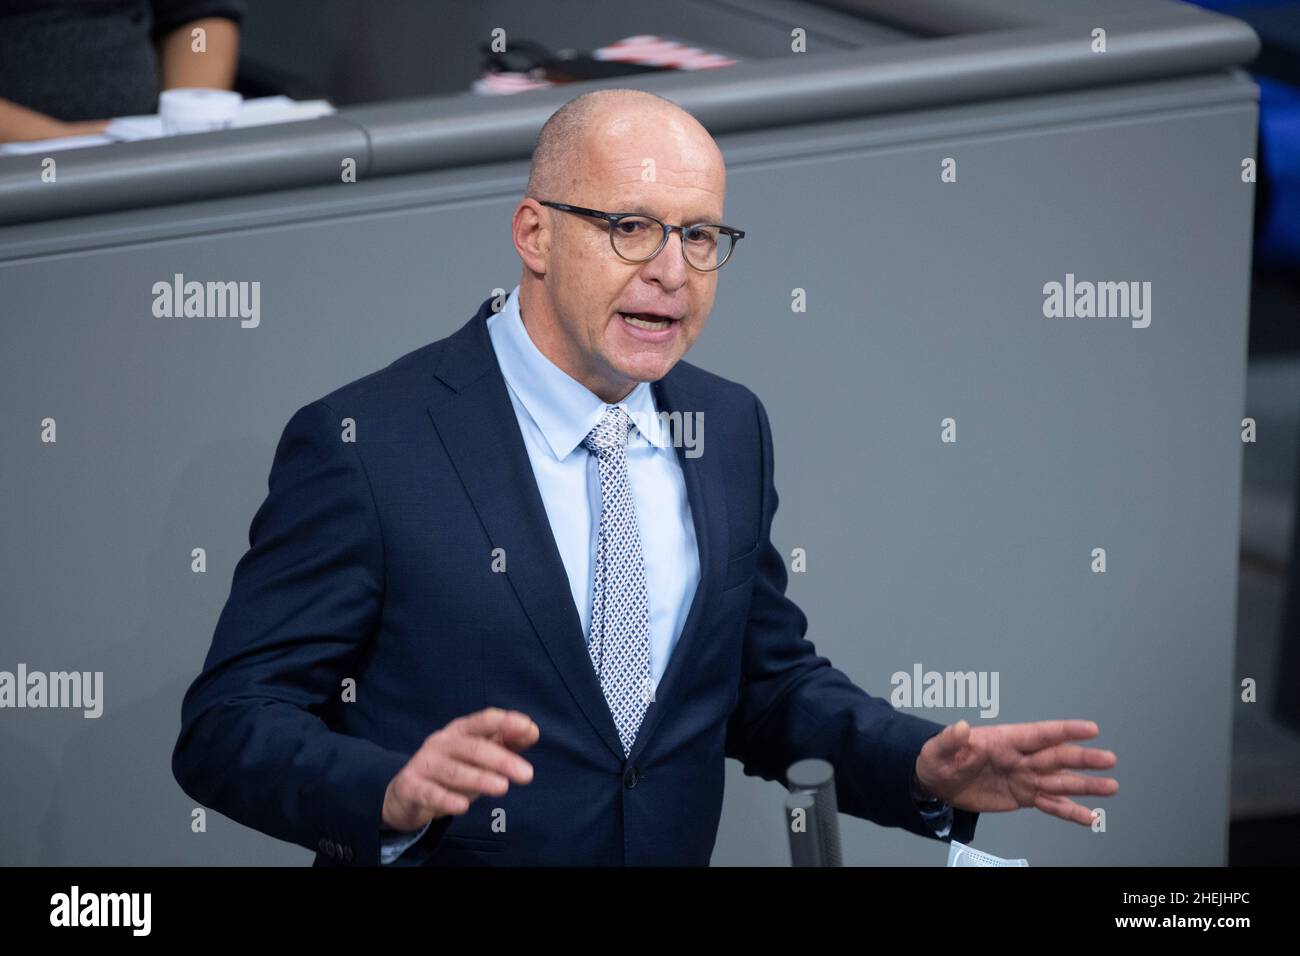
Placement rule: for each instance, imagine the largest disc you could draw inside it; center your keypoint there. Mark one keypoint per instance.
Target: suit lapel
(704, 491)
(477, 425)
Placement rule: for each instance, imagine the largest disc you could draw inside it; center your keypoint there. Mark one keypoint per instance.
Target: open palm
(1009, 766)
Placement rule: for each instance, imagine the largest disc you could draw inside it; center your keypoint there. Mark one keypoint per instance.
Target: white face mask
(961, 855)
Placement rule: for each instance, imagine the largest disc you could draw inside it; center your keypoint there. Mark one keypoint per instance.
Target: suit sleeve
(793, 704)
(304, 601)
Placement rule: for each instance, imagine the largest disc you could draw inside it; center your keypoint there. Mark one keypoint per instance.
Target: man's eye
(630, 227)
(701, 236)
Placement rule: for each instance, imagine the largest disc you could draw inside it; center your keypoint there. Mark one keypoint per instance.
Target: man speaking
(498, 545)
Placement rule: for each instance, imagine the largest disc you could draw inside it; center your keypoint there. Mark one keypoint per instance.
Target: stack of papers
(128, 129)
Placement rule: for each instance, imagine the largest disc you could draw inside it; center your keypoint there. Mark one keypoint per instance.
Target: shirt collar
(564, 410)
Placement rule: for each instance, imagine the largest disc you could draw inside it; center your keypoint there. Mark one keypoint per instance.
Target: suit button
(630, 777)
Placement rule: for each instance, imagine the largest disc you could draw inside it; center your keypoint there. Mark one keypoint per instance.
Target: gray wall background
(1073, 434)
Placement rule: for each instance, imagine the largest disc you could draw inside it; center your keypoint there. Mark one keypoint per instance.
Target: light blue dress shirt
(555, 413)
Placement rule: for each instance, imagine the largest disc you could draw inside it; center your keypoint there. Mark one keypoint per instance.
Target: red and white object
(644, 49)
(650, 50)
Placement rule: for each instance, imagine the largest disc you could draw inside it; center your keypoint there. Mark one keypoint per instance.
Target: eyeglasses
(637, 238)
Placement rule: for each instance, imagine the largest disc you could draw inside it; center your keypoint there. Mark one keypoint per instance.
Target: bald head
(562, 152)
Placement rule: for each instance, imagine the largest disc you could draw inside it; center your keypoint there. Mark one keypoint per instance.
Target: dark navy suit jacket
(373, 560)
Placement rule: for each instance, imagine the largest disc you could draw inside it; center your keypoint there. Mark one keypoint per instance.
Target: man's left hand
(1009, 766)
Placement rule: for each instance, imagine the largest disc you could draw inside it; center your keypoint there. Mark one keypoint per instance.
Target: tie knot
(610, 434)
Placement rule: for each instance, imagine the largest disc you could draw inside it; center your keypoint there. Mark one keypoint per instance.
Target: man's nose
(669, 267)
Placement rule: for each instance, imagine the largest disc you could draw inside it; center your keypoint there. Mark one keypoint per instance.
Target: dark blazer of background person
(372, 560)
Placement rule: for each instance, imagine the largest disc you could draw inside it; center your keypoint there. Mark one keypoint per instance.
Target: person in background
(69, 66)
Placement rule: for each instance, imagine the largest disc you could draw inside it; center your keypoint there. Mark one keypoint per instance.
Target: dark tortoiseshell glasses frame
(614, 218)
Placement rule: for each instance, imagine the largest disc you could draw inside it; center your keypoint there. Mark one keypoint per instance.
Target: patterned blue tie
(619, 642)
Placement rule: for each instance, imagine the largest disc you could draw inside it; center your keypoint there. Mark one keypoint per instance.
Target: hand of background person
(19, 124)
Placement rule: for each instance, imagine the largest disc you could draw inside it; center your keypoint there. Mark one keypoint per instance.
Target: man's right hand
(472, 755)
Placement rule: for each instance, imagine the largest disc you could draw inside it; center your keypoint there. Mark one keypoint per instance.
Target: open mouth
(647, 320)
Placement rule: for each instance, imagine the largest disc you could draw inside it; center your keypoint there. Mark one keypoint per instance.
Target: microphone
(811, 814)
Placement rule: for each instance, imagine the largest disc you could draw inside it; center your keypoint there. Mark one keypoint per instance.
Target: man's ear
(532, 234)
